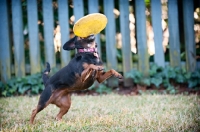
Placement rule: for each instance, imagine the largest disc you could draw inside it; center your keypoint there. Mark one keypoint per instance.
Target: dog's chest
(79, 85)
(90, 58)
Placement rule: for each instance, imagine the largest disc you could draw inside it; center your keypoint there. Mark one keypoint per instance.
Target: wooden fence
(12, 33)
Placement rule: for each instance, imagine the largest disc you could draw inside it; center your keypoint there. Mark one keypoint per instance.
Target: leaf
(195, 75)
(170, 87)
(4, 93)
(41, 87)
(146, 81)
(187, 75)
(180, 78)
(173, 91)
(32, 81)
(177, 70)
(192, 83)
(103, 89)
(153, 70)
(166, 82)
(1, 84)
(156, 81)
(171, 74)
(135, 75)
(35, 89)
(12, 90)
(23, 88)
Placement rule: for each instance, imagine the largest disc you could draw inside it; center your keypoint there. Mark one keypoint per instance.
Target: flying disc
(90, 25)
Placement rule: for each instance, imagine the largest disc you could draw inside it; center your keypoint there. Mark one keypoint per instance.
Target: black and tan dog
(79, 74)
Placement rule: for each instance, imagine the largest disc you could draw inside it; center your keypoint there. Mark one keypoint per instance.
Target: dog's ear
(70, 45)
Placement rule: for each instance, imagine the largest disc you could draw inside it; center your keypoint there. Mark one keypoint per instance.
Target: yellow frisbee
(90, 25)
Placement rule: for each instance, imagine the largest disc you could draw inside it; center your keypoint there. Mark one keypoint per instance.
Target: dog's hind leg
(34, 113)
(64, 104)
(44, 98)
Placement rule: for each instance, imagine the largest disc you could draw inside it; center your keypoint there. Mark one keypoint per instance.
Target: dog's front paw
(119, 76)
(100, 68)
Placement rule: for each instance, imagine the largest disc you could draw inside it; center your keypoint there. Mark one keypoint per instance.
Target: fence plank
(126, 46)
(157, 29)
(5, 65)
(64, 29)
(78, 9)
(174, 39)
(48, 32)
(18, 38)
(125, 31)
(33, 36)
(110, 32)
(188, 22)
(143, 56)
(94, 8)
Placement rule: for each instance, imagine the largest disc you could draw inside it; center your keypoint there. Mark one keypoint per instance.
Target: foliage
(101, 88)
(32, 85)
(24, 85)
(169, 77)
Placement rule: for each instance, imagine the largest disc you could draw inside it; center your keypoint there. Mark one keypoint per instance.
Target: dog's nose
(91, 37)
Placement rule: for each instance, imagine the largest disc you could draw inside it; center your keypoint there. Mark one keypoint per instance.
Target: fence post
(188, 22)
(157, 29)
(94, 8)
(125, 31)
(5, 57)
(48, 32)
(110, 32)
(78, 9)
(174, 38)
(143, 56)
(18, 38)
(34, 47)
(64, 29)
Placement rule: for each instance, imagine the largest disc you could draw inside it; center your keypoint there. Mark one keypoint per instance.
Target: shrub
(31, 85)
(169, 77)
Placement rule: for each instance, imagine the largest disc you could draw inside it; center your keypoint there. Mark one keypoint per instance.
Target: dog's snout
(91, 38)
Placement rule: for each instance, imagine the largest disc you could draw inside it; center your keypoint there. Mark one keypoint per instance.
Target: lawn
(105, 113)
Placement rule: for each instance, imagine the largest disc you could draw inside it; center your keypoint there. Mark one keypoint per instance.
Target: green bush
(101, 88)
(24, 85)
(33, 85)
(168, 77)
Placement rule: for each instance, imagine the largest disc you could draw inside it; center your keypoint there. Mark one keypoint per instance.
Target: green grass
(105, 113)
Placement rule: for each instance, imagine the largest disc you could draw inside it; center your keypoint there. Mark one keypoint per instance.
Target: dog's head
(80, 43)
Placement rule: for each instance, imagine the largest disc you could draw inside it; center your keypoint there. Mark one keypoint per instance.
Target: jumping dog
(79, 74)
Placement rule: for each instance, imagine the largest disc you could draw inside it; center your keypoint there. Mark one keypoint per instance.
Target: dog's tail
(45, 76)
(47, 92)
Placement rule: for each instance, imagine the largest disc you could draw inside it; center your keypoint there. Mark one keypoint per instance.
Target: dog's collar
(92, 50)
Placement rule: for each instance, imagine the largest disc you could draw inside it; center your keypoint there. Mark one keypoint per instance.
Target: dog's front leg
(89, 70)
(102, 76)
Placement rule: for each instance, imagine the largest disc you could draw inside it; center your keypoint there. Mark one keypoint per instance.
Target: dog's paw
(100, 68)
(119, 76)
